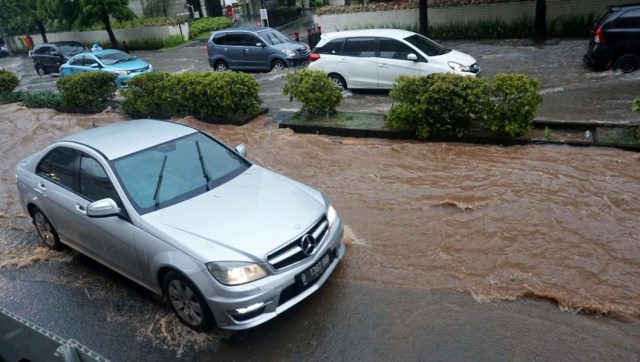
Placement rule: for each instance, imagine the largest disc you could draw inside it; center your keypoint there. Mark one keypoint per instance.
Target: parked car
(254, 48)
(374, 58)
(227, 242)
(615, 39)
(48, 57)
(124, 65)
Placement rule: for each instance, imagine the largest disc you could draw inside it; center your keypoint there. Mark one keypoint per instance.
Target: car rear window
(630, 19)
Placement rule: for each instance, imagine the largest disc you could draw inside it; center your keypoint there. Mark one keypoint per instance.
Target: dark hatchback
(48, 57)
(615, 39)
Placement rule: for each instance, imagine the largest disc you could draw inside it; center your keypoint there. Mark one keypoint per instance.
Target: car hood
(129, 65)
(292, 45)
(241, 220)
(456, 56)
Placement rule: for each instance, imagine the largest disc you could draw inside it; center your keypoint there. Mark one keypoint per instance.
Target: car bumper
(298, 61)
(250, 305)
(121, 80)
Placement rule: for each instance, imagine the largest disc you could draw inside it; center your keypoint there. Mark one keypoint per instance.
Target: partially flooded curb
(602, 134)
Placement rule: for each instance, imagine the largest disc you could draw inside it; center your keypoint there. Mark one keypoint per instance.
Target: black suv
(615, 39)
(48, 57)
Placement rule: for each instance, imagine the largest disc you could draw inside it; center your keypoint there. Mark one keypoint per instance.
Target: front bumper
(250, 305)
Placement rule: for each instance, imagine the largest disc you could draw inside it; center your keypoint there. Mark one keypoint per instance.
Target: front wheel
(627, 63)
(186, 301)
(46, 231)
(40, 70)
(278, 65)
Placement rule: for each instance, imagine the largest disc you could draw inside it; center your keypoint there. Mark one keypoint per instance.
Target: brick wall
(505, 11)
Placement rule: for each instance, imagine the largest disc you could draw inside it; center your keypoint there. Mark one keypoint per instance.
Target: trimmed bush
(87, 89)
(515, 100)
(207, 25)
(636, 105)
(8, 81)
(443, 102)
(211, 95)
(315, 90)
(173, 41)
(11, 97)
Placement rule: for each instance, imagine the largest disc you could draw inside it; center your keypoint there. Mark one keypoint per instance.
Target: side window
(59, 167)
(629, 20)
(360, 47)
(233, 39)
(94, 181)
(333, 47)
(76, 61)
(45, 50)
(393, 49)
(220, 39)
(250, 40)
(88, 61)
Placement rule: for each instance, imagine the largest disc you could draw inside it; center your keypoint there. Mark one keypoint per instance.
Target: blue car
(124, 65)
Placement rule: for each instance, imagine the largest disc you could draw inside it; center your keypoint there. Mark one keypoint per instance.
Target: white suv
(374, 58)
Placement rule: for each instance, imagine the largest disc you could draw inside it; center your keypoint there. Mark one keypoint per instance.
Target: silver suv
(254, 48)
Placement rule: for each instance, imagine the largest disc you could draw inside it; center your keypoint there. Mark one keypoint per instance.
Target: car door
(234, 49)
(255, 57)
(393, 62)
(358, 62)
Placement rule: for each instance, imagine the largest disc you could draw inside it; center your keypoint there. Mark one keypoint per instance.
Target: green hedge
(451, 103)
(207, 25)
(314, 89)
(8, 81)
(202, 94)
(87, 89)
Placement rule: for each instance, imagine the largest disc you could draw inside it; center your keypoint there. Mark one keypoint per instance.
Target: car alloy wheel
(221, 66)
(186, 301)
(627, 63)
(338, 81)
(278, 65)
(46, 231)
(39, 70)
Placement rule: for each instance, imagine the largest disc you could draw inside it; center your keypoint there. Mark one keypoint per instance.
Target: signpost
(263, 16)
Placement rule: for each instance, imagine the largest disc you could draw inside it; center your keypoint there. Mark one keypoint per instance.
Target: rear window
(630, 19)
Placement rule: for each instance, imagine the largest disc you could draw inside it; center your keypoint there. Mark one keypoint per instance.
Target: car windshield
(169, 173)
(273, 37)
(112, 58)
(426, 45)
(71, 49)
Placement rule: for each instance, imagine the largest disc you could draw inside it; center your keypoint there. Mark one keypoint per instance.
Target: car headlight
(331, 214)
(121, 72)
(458, 67)
(236, 272)
(289, 52)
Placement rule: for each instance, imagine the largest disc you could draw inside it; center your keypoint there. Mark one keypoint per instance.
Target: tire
(627, 63)
(187, 302)
(40, 70)
(277, 65)
(221, 66)
(46, 231)
(338, 81)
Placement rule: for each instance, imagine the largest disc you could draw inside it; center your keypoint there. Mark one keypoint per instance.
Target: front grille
(303, 51)
(299, 249)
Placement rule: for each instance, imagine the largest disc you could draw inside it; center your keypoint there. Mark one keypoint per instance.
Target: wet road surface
(447, 243)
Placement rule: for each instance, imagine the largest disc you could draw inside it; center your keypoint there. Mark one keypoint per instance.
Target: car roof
(246, 29)
(62, 42)
(105, 51)
(120, 139)
(391, 33)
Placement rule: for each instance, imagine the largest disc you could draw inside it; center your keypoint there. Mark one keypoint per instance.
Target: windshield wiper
(202, 165)
(156, 199)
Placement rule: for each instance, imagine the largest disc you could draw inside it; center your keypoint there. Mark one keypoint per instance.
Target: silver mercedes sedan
(227, 242)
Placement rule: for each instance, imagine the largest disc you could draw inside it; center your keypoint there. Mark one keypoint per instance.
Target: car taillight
(598, 36)
(314, 57)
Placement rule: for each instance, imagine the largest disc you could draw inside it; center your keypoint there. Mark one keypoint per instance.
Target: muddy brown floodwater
(556, 222)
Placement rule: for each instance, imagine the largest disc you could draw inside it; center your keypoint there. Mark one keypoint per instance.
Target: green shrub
(314, 89)
(204, 94)
(636, 105)
(443, 102)
(41, 99)
(206, 25)
(515, 100)
(8, 81)
(149, 94)
(11, 97)
(87, 89)
(173, 41)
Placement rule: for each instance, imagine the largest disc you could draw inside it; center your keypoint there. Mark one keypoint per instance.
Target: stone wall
(504, 11)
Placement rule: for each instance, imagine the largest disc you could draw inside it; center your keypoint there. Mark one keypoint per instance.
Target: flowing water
(555, 222)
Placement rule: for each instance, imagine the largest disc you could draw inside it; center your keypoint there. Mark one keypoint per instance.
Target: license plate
(314, 272)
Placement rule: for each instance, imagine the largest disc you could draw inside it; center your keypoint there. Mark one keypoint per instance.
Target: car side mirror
(412, 57)
(103, 208)
(260, 45)
(95, 65)
(241, 149)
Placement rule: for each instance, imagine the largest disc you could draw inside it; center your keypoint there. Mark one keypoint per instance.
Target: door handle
(81, 209)
(41, 189)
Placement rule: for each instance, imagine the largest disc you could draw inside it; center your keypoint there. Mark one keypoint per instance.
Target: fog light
(250, 308)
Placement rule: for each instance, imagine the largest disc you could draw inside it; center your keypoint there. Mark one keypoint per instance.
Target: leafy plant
(515, 98)
(200, 26)
(314, 89)
(440, 102)
(8, 81)
(636, 105)
(547, 133)
(148, 94)
(87, 89)
(11, 97)
(41, 99)
(173, 41)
